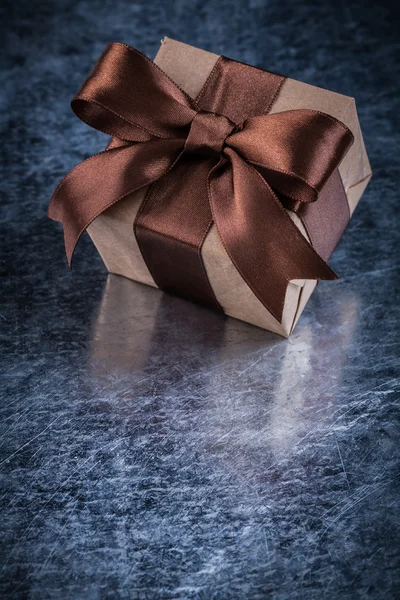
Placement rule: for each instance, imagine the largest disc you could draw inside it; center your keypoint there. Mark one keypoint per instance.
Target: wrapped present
(223, 183)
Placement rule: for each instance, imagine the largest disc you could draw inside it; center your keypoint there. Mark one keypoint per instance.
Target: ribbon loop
(120, 93)
(300, 147)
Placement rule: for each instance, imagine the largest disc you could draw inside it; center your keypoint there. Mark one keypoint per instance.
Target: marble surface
(149, 448)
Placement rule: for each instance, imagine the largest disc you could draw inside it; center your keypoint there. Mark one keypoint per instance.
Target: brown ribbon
(217, 159)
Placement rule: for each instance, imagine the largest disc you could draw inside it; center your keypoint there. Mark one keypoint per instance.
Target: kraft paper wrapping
(112, 231)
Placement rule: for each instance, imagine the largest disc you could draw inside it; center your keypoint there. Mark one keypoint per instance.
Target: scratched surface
(150, 449)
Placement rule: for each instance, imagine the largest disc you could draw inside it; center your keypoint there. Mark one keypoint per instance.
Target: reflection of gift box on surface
(321, 222)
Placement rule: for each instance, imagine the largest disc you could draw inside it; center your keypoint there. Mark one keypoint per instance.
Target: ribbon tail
(262, 241)
(101, 180)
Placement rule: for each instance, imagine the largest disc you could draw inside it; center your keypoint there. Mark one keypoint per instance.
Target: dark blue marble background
(150, 449)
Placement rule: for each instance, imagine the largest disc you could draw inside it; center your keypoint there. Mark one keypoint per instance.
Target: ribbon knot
(208, 133)
(203, 169)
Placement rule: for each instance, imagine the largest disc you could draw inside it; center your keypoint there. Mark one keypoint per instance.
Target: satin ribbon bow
(222, 166)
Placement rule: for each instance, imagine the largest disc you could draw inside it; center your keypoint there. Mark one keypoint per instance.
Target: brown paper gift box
(112, 231)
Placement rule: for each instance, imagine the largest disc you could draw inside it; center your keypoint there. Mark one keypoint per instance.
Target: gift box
(223, 183)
